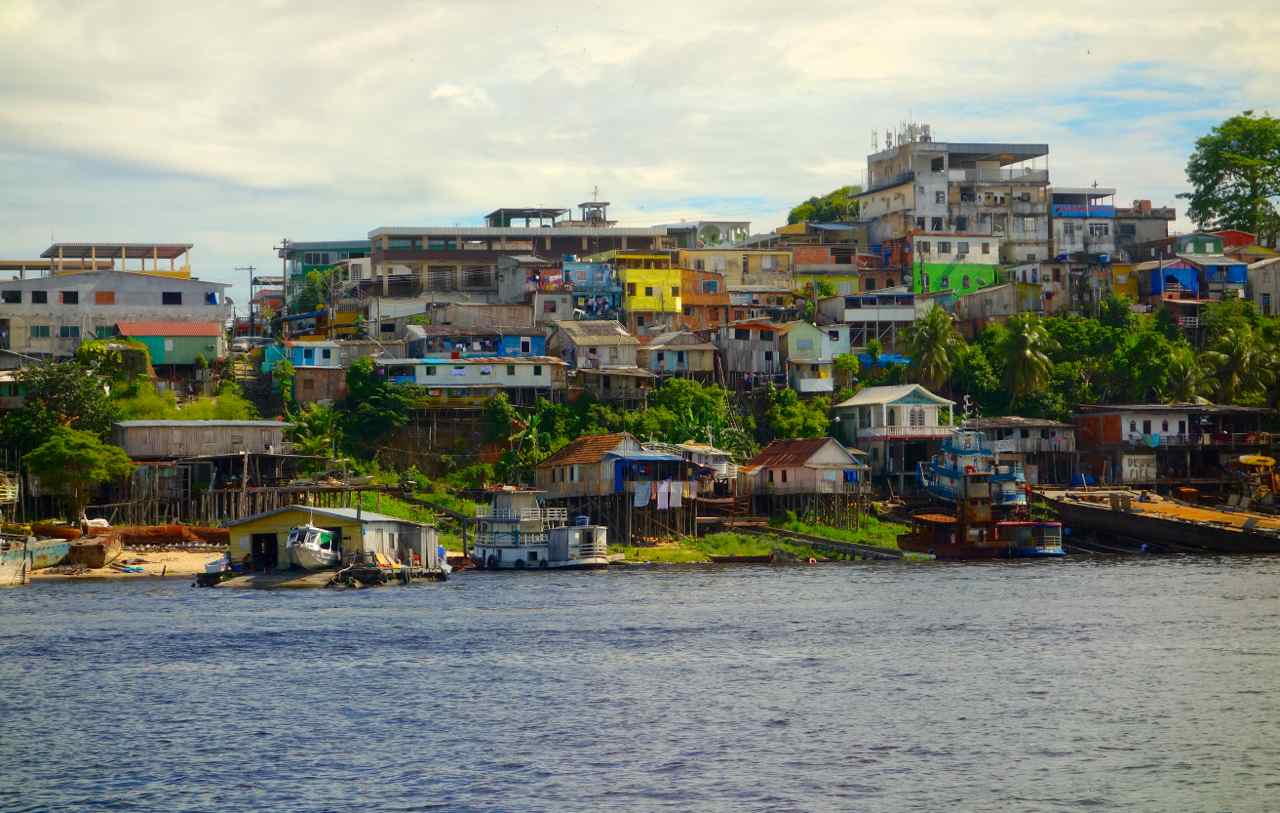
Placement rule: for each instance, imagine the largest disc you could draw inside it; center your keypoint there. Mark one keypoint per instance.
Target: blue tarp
(885, 359)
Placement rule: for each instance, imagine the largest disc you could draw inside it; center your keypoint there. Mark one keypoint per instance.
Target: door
(264, 551)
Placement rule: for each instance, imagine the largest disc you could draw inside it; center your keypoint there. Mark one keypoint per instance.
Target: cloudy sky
(231, 125)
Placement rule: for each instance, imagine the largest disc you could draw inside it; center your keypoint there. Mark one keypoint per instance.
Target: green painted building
(960, 263)
(177, 343)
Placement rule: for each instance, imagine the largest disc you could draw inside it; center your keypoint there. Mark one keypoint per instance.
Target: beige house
(593, 344)
(679, 353)
(803, 466)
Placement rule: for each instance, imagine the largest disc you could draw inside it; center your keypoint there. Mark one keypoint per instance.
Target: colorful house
(678, 353)
(805, 352)
(804, 466)
(260, 541)
(959, 263)
(705, 299)
(177, 343)
(597, 292)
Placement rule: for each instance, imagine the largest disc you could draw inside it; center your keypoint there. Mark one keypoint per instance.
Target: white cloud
(232, 123)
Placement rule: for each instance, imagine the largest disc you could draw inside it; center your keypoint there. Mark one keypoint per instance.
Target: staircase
(257, 387)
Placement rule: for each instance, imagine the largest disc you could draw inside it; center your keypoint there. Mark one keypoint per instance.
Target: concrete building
(71, 258)
(303, 257)
(958, 263)
(918, 187)
(471, 380)
(49, 317)
(741, 266)
(1142, 223)
(593, 345)
(1044, 448)
(1264, 285)
(996, 304)
(707, 233)
(704, 300)
(884, 315)
(597, 292)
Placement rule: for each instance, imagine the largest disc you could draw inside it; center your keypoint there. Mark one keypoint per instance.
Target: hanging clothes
(642, 495)
(677, 492)
(664, 495)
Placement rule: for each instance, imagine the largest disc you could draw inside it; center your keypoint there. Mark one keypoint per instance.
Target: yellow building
(843, 283)
(740, 266)
(651, 290)
(1124, 281)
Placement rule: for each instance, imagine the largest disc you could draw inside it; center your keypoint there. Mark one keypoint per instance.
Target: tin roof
(784, 453)
(169, 328)
(199, 424)
(334, 513)
(586, 449)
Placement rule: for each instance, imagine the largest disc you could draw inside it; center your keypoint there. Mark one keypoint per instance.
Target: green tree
(373, 408)
(789, 416)
(1116, 311)
(1240, 365)
(1185, 380)
(316, 429)
(934, 344)
(847, 367)
(838, 206)
(74, 463)
(65, 394)
(1027, 363)
(283, 375)
(1235, 174)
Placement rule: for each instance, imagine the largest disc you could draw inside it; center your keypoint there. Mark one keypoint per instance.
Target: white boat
(312, 548)
(517, 532)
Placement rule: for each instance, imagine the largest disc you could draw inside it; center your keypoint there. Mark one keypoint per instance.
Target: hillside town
(663, 380)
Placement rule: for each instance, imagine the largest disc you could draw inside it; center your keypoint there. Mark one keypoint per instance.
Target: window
(962, 247)
(1266, 304)
(1031, 258)
(1164, 426)
(675, 290)
(741, 334)
(640, 321)
(710, 286)
(771, 475)
(962, 223)
(986, 248)
(1024, 433)
(766, 335)
(1099, 230)
(804, 344)
(661, 357)
(939, 197)
(171, 298)
(549, 306)
(537, 371)
(869, 284)
(833, 335)
(964, 282)
(39, 297)
(428, 370)
(768, 355)
(936, 165)
(11, 297)
(920, 223)
(103, 331)
(39, 331)
(699, 265)
(69, 332)
(104, 297)
(631, 289)
(944, 247)
(784, 475)
(387, 327)
(1057, 275)
(679, 357)
(648, 290)
(511, 369)
(1146, 427)
(924, 246)
(326, 354)
(1028, 225)
(69, 297)
(892, 416)
(935, 224)
(308, 383)
(526, 344)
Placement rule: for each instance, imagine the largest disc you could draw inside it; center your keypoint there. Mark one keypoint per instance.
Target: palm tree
(935, 345)
(1027, 364)
(1240, 364)
(1186, 379)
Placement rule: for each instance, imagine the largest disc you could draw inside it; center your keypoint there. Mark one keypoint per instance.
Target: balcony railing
(1016, 174)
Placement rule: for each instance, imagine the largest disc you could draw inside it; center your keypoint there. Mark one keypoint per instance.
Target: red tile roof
(169, 328)
(788, 453)
(586, 449)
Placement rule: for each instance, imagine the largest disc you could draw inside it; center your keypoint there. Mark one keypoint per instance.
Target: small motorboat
(312, 548)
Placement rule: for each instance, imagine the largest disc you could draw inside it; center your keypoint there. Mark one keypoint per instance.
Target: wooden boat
(1154, 519)
(95, 552)
(44, 553)
(15, 567)
(762, 559)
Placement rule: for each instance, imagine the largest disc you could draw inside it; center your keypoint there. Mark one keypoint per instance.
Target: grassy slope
(874, 531)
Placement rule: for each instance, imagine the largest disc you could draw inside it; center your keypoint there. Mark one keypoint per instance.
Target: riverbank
(874, 532)
(154, 564)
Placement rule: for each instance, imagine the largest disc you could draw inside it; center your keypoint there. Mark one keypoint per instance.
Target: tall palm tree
(1240, 364)
(1027, 364)
(1186, 378)
(935, 344)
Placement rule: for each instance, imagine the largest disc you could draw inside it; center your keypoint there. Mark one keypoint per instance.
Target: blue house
(1221, 277)
(597, 291)
(443, 341)
(314, 354)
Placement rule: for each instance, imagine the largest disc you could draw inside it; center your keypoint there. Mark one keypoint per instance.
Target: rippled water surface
(1103, 684)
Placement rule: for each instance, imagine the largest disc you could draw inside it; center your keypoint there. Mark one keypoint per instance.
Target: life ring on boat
(543, 565)
(491, 562)
(969, 470)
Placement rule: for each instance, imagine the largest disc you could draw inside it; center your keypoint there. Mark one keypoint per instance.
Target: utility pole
(250, 269)
(283, 249)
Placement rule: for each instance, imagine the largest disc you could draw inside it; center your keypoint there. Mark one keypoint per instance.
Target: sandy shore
(173, 563)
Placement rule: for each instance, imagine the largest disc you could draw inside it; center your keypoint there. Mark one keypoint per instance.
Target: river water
(1103, 684)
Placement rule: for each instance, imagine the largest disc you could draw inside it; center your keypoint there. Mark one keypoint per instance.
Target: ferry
(517, 532)
(964, 454)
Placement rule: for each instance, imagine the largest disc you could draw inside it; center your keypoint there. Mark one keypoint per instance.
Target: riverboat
(972, 533)
(1151, 519)
(312, 548)
(517, 532)
(965, 454)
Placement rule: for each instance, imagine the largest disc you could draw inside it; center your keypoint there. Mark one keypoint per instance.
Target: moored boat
(44, 553)
(963, 455)
(312, 548)
(15, 565)
(1150, 518)
(517, 532)
(95, 551)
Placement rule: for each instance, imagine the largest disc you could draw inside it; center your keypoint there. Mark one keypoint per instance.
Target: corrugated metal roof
(887, 395)
(586, 449)
(335, 513)
(787, 453)
(200, 424)
(169, 328)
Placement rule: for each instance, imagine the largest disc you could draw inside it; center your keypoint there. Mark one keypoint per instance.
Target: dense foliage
(74, 463)
(1235, 175)
(837, 206)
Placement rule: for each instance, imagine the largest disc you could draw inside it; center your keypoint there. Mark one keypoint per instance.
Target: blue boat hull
(48, 552)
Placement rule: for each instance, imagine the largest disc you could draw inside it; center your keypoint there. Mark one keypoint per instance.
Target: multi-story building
(302, 258)
(1084, 235)
(806, 354)
(469, 381)
(1141, 224)
(751, 352)
(597, 293)
(74, 258)
(884, 315)
(741, 266)
(1264, 285)
(49, 317)
(921, 187)
(704, 298)
(708, 233)
(651, 288)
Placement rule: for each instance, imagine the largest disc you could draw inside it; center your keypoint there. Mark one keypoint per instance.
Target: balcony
(1010, 175)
